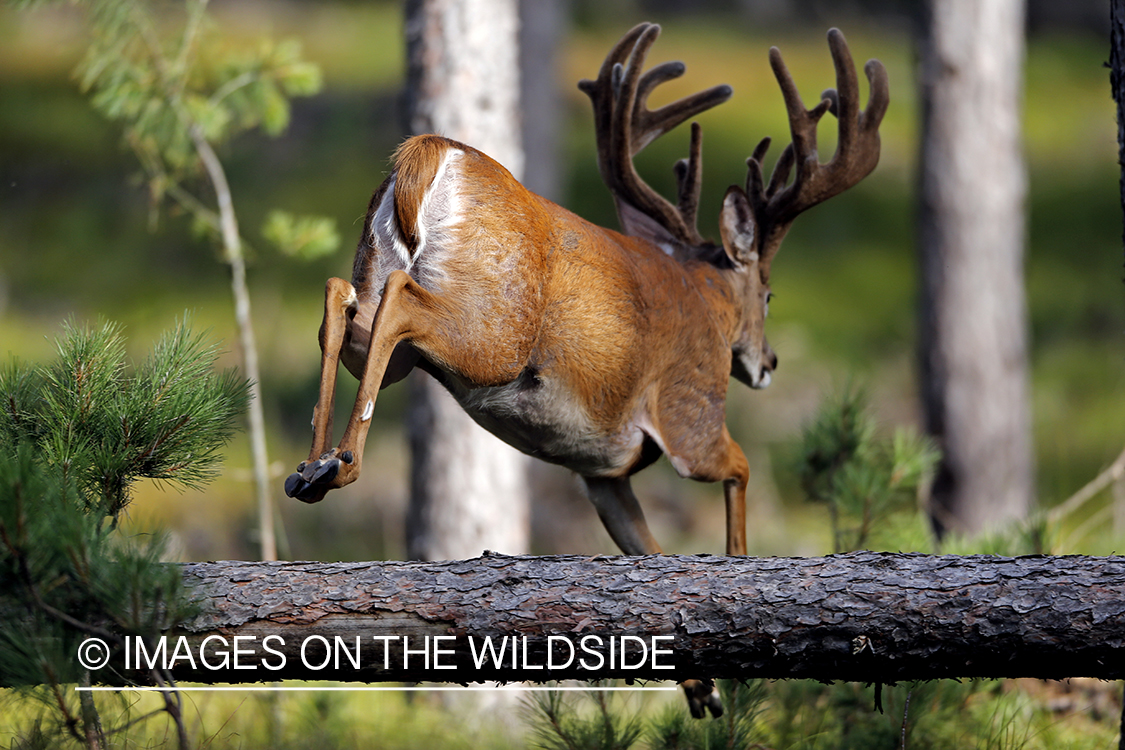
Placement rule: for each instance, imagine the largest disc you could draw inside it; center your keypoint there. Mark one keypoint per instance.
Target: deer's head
(754, 218)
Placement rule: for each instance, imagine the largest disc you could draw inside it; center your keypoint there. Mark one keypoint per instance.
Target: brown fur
(632, 344)
(574, 343)
(637, 340)
(416, 163)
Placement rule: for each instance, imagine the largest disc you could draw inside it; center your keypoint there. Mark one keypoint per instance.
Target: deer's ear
(636, 223)
(736, 225)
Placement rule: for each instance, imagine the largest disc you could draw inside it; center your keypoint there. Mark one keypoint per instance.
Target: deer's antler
(624, 126)
(776, 205)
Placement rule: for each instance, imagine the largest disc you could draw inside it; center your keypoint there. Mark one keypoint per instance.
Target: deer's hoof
(294, 484)
(313, 479)
(322, 471)
(297, 488)
(703, 696)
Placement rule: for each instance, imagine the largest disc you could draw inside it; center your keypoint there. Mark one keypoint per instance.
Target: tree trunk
(864, 616)
(542, 113)
(1117, 86)
(255, 412)
(973, 336)
(469, 491)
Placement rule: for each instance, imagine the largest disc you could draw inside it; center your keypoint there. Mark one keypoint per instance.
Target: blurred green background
(78, 239)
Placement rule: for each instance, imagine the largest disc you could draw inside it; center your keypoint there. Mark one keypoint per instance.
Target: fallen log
(863, 616)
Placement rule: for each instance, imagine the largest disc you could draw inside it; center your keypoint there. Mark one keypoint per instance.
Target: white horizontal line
(402, 689)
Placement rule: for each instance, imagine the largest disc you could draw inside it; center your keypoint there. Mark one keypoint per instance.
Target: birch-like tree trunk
(469, 491)
(973, 322)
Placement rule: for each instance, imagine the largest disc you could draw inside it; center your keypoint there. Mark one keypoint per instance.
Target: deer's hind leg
(623, 518)
(621, 515)
(407, 313)
(307, 483)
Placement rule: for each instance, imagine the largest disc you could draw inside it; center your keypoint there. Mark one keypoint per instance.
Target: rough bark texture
(469, 491)
(861, 616)
(973, 338)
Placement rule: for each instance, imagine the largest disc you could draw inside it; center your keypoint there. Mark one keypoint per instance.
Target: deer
(577, 344)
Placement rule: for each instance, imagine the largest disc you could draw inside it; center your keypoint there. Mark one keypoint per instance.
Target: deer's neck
(719, 286)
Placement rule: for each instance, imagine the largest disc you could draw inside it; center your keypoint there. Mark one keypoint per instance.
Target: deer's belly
(538, 417)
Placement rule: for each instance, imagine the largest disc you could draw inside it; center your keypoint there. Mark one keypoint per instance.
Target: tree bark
(973, 338)
(864, 616)
(469, 490)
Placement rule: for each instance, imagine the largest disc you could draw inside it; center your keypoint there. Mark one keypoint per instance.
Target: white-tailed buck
(579, 345)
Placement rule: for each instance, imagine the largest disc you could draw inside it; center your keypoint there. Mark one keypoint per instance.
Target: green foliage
(75, 435)
(558, 723)
(304, 237)
(809, 715)
(1032, 536)
(177, 94)
(740, 726)
(937, 715)
(102, 427)
(65, 575)
(161, 80)
(863, 479)
(600, 723)
(160, 70)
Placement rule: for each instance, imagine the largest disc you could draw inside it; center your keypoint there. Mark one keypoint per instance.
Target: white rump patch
(384, 230)
(440, 209)
(439, 212)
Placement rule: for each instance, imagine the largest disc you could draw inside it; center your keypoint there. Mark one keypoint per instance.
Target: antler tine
(651, 124)
(843, 100)
(689, 179)
(619, 54)
(624, 126)
(879, 97)
(847, 100)
(857, 151)
(755, 177)
(802, 122)
(606, 88)
(781, 170)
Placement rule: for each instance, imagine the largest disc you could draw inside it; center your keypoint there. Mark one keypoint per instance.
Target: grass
(941, 715)
(279, 721)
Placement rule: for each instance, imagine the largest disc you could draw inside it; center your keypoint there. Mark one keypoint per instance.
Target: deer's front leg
(737, 474)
